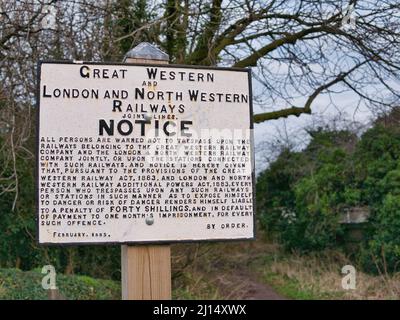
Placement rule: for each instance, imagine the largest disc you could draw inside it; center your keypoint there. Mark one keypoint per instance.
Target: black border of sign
(63, 244)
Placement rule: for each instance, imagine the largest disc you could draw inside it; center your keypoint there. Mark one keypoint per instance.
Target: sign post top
(146, 51)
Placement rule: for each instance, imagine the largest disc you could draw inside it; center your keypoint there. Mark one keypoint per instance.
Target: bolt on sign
(144, 153)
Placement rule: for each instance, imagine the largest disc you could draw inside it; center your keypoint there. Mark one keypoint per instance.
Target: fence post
(146, 269)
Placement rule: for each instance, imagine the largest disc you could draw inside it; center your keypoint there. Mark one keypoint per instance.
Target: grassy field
(318, 276)
(238, 270)
(293, 276)
(17, 284)
(23, 285)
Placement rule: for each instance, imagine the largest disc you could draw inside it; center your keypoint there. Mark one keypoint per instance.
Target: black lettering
(108, 128)
(45, 94)
(152, 73)
(169, 133)
(142, 125)
(193, 94)
(130, 127)
(184, 128)
(84, 71)
(117, 105)
(139, 92)
(96, 73)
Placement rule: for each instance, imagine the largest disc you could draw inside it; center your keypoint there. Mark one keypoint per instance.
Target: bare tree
(298, 49)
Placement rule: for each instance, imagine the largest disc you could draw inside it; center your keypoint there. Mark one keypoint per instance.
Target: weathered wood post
(146, 269)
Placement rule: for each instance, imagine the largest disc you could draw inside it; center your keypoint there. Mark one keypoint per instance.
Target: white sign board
(143, 153)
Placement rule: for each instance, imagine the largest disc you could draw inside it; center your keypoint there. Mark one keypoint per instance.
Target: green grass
(297, 286)
(194, 286)
(294, 276)
(27, 285)
(291, 288)
(20, 285)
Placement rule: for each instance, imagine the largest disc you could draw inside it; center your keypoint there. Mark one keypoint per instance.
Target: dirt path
(243, 281)
(235, 269)
(243, 285)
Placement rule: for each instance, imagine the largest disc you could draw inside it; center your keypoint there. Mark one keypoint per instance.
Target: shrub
(302, 195)
(383, 249)
(21, 285)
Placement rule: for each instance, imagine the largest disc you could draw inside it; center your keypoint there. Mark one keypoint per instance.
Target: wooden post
(146, 269)
(54, 294)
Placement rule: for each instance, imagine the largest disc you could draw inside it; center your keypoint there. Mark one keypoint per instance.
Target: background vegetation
(298, 50)
(303, 196)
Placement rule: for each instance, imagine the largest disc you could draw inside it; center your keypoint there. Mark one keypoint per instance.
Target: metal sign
(143, 153)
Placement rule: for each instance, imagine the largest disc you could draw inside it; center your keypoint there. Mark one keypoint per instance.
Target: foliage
(16, 284)
(383, 249)
(304, 37)
(21, 285)
(18, 244)
(309, 189)
(302, 195)
(129, 17)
